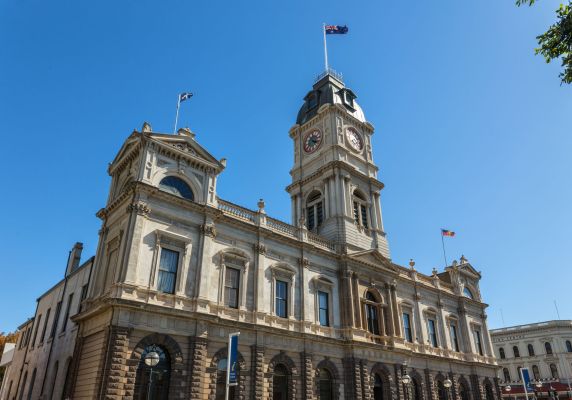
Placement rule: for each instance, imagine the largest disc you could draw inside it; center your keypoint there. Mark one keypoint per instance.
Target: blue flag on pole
(233, 372)
(336, 29)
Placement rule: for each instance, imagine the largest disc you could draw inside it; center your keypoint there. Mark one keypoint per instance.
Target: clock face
(354, 139)
(312, 141)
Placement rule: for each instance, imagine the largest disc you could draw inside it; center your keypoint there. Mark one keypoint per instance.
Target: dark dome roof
(329, 89)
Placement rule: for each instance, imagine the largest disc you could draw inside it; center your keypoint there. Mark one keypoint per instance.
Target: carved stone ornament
(139, 208)
(304, 262)
(260, 248)
(185, 147)
(208, 230)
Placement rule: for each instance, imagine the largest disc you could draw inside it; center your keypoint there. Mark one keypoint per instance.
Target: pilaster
(307, 376)
(198, 366)
(257, 379)
(430, 383)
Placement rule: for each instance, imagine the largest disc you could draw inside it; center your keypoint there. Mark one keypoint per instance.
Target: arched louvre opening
(360, 210)
(280, 383)
(176, 186)
(325, 385)
(152, 383)
(314, 210)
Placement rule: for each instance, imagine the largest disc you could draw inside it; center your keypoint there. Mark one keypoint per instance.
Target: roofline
(554, 322)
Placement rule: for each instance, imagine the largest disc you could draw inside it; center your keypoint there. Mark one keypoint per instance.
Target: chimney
(74, 258)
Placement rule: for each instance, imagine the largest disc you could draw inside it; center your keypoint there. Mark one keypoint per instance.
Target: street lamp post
(406, 379)
(151, 359)
(447, 383)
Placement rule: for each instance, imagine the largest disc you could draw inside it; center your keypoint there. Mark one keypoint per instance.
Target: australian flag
(336, 30)
(185, 96)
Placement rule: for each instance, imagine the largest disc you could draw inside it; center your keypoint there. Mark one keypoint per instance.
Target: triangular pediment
(468, 269)
(187, 146)
(373, 258)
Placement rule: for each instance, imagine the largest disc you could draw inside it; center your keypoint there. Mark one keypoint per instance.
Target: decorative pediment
(373, 258)
(468, 270)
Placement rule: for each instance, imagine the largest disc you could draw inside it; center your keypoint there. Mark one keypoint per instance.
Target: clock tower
(335, 191)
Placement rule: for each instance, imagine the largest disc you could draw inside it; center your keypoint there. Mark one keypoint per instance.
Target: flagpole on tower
(177, 115)
(325, 47)
(444, 254)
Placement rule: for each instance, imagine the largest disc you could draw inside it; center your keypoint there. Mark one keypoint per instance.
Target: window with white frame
(323, 289)
(282, 290)
(231, 287)
(168, 266)
(407, 330)
(360, 210)
(314, 210)
(432, 331)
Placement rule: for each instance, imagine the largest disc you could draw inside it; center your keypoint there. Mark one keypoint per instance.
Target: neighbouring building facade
(323, 313)
(545, 348)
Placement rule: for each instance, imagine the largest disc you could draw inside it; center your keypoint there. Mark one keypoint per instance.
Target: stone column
(367, 384)
(357, 304)
(114, 377)
(198, 366)
(346, 303)
(443, 323)
(259, 266)
(400, 389)
(352, 379)
(454, 386)
(465, 330)
(307, 376)
(486, 335)
(127, 270)
(391, 314)
(396, 316)
(203, 282)
(257, 376)
(430, 383)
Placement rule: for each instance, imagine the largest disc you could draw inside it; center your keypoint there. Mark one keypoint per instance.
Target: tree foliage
(556, 42)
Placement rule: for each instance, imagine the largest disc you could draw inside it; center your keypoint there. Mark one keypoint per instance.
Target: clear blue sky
(472, 130)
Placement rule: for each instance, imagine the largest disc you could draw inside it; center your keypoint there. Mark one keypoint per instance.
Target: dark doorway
(325, 385)
(377, 387)
(280, 383)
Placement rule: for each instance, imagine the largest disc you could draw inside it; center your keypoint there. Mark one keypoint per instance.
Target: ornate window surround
(453, 319)
(478, 327)
(313, 204)
(359, 197)
(175, 242)
(431, 313)
(285, 273)
(320, 283)
(381, 307)
(409, 308)
(241, 262)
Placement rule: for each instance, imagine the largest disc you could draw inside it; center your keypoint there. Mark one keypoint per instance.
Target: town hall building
(322, 310)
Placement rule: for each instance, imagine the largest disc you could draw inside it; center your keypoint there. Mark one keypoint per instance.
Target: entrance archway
(152, 383)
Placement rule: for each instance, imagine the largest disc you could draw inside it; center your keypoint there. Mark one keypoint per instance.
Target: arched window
(325, 385)
(568, 346)
(489, 394)
(360, 210)
(441, 391)
(416, 389)
(535, 372)
(153, 382)
(530, 350)
(467, 293)
(378, 388)
(501, 353)
(176, 186)
(548, 347)
(463, 391)
(280, 383)
(516, 351)
(506, 374)
(554, 371)
(372, 313)
(314, 210)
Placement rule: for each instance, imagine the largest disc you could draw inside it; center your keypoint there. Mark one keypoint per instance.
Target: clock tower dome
(335, 191)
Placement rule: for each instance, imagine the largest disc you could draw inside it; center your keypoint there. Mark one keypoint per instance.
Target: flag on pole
(445, 232)
(184, 96)
(336, 29)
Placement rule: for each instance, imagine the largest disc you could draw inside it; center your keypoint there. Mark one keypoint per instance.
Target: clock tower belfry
(335, 191)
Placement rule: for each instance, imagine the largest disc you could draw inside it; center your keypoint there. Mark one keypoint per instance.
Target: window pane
(364, 216)
(323, 308)
(356, 212)
(319, 213)
(407, 328)
(168, 264)
(454, 339)
(432, 333)
(281, 299)
(232, 280)
(311, 224)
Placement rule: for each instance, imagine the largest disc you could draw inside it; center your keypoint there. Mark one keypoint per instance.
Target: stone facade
(321, 309)
(545, 348)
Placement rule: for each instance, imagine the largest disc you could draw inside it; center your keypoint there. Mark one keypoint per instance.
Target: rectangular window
(323, 308)
(168, 270)
(56, 318)
(67, 314)
(231, 286)
(356, 212)
(282, 299)
(454, 338)
(37, 329)
(432, 332)
(42, 337)
(478, 342)
(407, 327)
(82, 297)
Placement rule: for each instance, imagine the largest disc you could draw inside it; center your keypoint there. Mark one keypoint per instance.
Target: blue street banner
(526, 379)
(233, 360)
